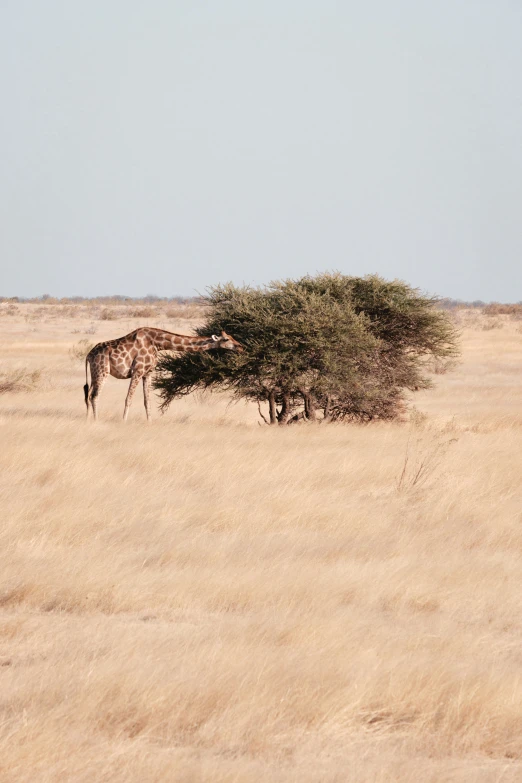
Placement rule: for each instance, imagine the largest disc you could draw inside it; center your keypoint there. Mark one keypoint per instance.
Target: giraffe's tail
(86, 387)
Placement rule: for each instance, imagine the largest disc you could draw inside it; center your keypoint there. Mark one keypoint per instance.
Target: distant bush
(495, 308)
(492, 323)
(344, 347)
(109, 315)
(10, 309)
(142, 312)
(67, 311)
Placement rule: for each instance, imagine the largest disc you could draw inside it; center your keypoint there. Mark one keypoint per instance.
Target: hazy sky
(161, 146)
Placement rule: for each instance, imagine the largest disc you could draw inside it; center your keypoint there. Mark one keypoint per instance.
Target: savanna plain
(207, 599)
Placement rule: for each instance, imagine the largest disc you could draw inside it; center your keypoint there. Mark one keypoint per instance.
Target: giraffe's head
(227, 342)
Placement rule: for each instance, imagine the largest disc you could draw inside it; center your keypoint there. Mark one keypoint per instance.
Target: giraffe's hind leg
(99, 374)
(147, 380)
(97, 385)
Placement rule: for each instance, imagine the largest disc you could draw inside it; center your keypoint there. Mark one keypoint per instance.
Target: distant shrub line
(150, 299)
(108, 310)
(445, 303)
(489, 308)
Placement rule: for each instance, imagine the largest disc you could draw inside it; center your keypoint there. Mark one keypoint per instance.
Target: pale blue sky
(161, 146)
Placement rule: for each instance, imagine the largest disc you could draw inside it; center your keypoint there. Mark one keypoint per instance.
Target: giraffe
(135, 356)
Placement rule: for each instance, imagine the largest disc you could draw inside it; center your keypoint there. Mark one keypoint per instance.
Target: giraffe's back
(118, 357)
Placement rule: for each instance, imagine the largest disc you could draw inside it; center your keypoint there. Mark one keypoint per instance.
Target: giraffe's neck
(166, 341)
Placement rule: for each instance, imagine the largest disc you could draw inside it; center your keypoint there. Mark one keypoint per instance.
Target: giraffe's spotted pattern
(135, 356)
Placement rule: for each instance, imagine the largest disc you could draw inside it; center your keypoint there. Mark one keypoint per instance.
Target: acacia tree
(332, 345)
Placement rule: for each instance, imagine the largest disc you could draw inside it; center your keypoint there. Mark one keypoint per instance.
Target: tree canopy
(329, 346)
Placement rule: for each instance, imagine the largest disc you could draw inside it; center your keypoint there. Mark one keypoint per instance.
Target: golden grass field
(205, 599)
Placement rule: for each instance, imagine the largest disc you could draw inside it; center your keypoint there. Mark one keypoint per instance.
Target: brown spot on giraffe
(135, 356)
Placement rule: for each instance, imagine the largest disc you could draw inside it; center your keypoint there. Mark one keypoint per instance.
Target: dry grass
(79, 350)
(19, 380)
(205, 599)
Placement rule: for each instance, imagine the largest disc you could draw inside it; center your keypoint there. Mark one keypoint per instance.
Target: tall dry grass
(205, 599)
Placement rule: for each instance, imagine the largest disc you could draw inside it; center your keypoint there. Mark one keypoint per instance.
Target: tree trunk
(328, 408)
(309, 404)
(284, 413)
(272, 407)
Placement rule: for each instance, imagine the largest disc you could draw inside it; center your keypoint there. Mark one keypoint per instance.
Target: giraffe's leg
(96, 387)
(135, 379)
(86, 389)
(147, 380)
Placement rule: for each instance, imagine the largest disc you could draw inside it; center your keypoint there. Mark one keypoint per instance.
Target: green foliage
(348, 346)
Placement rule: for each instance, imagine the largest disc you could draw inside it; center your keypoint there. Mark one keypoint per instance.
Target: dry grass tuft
(20, 380)
(79, 350)
(439, 366)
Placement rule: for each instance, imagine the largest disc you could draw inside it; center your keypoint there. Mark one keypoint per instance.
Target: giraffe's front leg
(135, 379)
(147, 381)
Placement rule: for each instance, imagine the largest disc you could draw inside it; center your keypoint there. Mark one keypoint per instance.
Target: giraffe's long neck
(166, 341)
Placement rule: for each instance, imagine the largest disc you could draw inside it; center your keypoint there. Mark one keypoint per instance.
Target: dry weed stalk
(421, 462)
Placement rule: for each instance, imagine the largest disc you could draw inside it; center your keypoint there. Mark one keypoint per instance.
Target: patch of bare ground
(206, 599)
